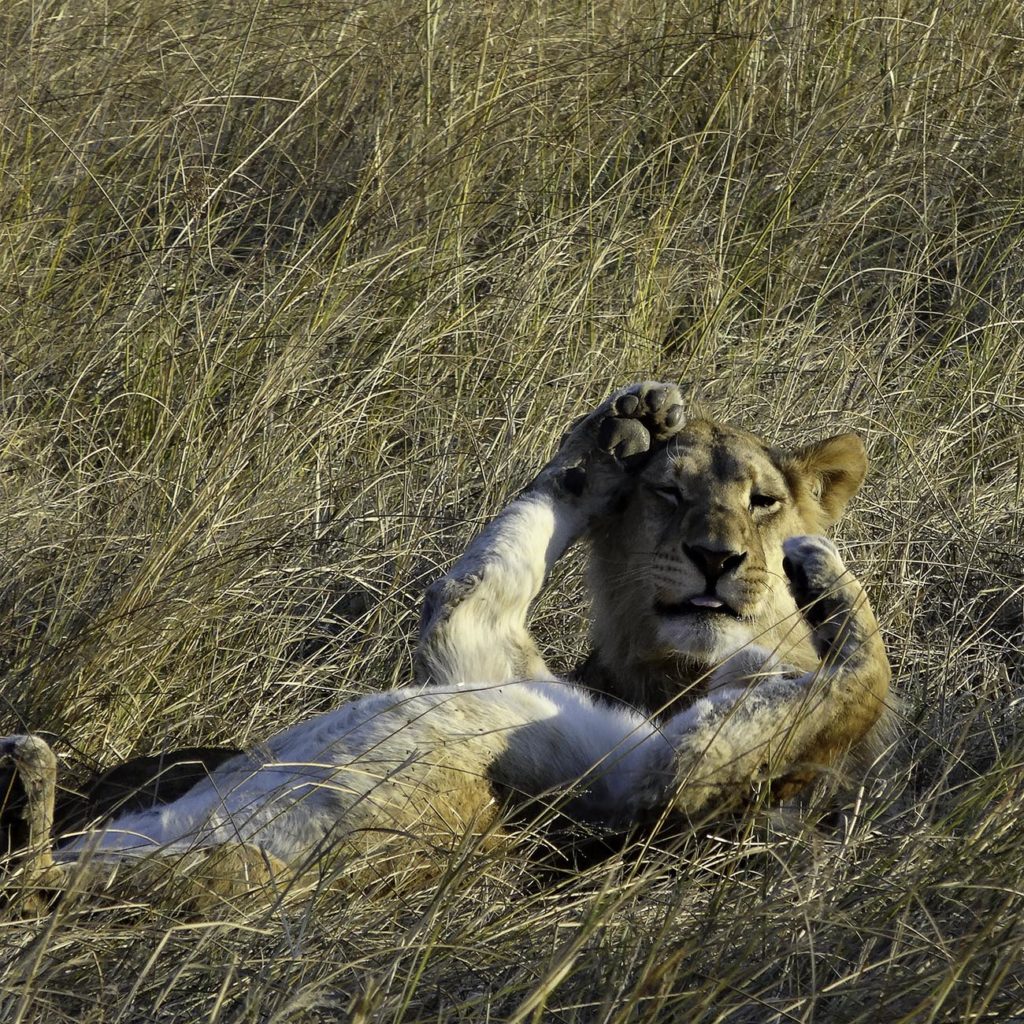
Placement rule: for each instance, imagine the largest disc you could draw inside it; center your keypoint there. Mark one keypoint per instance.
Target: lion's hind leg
(199, 881)
(32, 768)
(209, 880)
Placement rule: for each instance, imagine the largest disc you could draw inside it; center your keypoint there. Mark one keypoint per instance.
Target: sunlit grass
(294, 296)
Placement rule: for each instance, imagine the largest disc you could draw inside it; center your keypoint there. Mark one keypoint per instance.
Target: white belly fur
(407, 759)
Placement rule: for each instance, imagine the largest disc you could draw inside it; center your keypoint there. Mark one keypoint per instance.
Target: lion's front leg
(788, 729)
(473, 625)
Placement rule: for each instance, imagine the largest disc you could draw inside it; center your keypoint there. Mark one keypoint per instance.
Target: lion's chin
(706, 636)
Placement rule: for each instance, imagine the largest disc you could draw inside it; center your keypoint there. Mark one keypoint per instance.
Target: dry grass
(292, 296)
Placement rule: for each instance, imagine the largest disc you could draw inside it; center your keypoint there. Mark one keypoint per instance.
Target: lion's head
(687, 574)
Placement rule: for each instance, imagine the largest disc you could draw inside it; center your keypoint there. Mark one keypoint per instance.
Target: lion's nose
(714, 563)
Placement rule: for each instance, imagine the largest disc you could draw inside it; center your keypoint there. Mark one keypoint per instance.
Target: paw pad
(623, 438)
(644, 415)
(627, 405)
(628, 426)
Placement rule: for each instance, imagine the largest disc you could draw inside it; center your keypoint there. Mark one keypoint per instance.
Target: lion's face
(690, 570)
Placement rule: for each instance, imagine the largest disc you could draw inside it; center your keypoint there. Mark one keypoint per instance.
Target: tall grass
(293, 297)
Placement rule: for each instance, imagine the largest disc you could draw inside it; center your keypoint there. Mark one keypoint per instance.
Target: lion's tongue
(706, 601)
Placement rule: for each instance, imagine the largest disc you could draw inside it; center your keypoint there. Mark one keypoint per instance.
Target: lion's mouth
(702, 604)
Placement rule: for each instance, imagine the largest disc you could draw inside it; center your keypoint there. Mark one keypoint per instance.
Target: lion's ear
(832, 470)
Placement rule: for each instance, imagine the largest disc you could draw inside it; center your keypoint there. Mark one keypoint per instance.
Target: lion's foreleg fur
(473, 627)
(788, 728)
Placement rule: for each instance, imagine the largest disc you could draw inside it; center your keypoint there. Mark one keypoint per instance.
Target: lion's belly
(421, 762)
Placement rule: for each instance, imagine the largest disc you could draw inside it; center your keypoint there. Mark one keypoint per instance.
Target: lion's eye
(668, 493)
(766, 502)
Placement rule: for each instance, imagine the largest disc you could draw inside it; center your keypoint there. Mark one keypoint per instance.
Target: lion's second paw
(812, 564)
(825, 590)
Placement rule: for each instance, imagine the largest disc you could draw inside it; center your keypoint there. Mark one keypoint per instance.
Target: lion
(731, 650)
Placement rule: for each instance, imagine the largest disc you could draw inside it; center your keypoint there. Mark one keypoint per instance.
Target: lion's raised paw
(824, 589)
(813, 565)
(644, 413)
(602, 449)
(628, 425)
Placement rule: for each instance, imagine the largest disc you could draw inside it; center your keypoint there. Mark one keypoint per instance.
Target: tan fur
(646, 488)
(697, 492)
